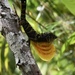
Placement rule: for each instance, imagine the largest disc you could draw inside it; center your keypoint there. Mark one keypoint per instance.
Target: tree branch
(16, 40)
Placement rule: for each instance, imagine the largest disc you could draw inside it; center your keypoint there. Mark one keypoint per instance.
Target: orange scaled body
(45, 50)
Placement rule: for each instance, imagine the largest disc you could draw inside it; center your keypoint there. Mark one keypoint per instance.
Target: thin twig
(36, 21)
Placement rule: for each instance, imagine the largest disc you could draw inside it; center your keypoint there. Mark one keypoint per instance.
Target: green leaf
(64, 47)
(70, 4)
(71, 40)
(73, 34)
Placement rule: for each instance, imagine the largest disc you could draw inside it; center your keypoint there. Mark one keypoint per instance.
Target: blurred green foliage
(55, 17)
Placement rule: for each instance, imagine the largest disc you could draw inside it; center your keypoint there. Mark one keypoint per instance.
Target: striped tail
(28, 29)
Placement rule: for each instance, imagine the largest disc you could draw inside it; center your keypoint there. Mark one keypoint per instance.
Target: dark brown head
(45, 37)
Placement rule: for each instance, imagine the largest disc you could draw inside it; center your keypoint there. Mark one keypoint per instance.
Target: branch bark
(16, 40)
